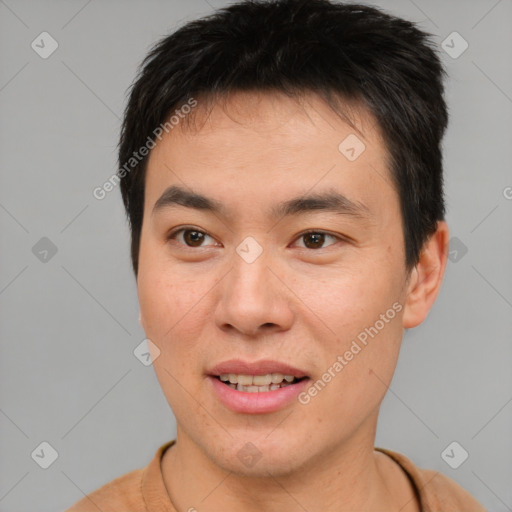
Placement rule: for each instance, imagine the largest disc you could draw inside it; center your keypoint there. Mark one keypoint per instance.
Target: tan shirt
(143, 490)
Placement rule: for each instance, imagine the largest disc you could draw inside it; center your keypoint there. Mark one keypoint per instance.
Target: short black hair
(343, 52)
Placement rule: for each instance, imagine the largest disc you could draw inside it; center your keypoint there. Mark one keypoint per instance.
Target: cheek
(362, 311)
(346, 299)
(174, 316)
(169, 300)
(369, 329)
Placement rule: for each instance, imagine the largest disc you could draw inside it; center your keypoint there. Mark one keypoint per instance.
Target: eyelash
(173, 234)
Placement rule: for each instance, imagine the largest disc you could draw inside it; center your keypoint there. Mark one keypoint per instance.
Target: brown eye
(315, 239)
(193, 238)
(190, 237)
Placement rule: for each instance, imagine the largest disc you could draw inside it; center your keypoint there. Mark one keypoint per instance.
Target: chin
(261, 457)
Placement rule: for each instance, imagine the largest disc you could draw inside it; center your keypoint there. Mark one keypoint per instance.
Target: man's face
(209, 297)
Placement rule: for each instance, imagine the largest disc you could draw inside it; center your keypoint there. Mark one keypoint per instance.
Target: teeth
(256, 383)
(277, 378)
(256, 380)
(245, 380)
(262, 380)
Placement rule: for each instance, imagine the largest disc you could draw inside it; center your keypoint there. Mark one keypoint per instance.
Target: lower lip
(257, 403)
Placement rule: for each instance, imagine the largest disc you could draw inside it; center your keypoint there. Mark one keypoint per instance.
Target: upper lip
(262, 367)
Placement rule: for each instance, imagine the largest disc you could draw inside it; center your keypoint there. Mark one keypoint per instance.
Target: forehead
(252, 143)
(276, 118)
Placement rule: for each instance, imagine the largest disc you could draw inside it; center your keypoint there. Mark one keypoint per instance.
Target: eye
(315, 239)
(192, 237)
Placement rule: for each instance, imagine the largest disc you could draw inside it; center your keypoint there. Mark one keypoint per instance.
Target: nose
(254, 298)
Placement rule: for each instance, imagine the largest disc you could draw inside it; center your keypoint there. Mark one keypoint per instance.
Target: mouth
(255, 388)
(258, 383)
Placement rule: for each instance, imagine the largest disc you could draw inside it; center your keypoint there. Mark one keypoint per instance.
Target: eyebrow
(330, 201)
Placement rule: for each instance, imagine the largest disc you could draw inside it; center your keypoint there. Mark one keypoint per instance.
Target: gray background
(69, 325)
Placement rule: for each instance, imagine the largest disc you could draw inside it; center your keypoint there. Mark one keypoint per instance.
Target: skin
(303, 306)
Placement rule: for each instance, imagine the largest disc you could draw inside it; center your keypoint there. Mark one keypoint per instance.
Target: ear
(425, 279)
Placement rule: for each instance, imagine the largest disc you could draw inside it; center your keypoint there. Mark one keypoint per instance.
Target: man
(281, 170)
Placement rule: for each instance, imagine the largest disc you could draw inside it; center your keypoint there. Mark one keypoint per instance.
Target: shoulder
(141, 489)
(123, 493)
(436, 492)
(449, 495)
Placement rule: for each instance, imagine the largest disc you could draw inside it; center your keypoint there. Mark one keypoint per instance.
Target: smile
(258, 383)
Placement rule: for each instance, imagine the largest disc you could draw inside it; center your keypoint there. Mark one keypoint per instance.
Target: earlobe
(426, 278)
